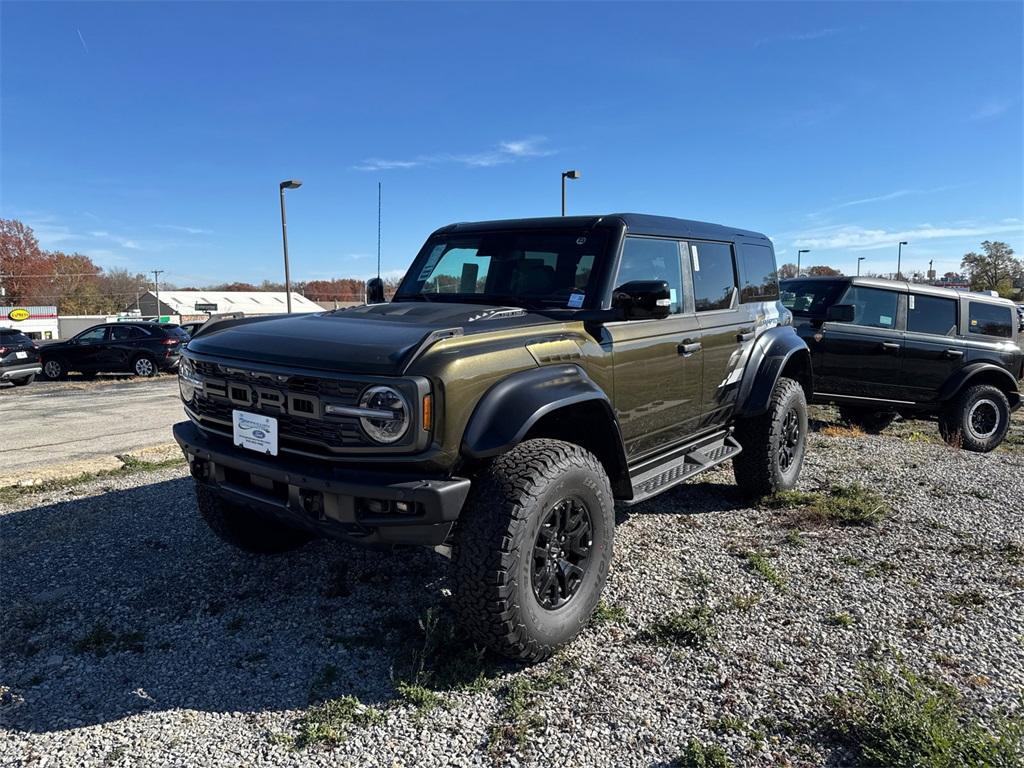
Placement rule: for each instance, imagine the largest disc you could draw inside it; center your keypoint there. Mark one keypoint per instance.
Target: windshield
(534, 269)
(809, 298)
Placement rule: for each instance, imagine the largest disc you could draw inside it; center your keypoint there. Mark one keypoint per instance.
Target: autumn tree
(823, 271)
(994, 270)
(24, 270)
(787, 271)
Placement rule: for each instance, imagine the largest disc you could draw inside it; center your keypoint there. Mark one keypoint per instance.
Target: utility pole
(156, 284)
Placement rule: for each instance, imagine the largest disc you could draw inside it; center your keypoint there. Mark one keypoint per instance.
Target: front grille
(296, 403)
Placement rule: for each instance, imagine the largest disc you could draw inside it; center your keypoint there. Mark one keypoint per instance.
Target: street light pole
(859, 260)
(899, 259)
(156, 285)
(289, 184)
(567, 175)
(798, 255)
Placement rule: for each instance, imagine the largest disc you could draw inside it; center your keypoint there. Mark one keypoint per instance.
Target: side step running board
(682, 464)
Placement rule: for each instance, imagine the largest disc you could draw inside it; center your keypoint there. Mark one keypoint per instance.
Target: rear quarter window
(990, 320)
(758, 273)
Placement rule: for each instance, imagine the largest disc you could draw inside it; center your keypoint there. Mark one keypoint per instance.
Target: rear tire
(977, 419)
(244, 529)
(54, 369)
(532, 548)
(24, 380)
(773, 443)
(144, 365)
(866, 419)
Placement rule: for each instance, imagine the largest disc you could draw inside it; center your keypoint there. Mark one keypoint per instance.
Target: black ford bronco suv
(526, 375)
(882, 347)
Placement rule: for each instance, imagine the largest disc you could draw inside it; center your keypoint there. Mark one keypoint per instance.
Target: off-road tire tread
(490, 536)
(246, 530)
(753, 467)
(952, 417)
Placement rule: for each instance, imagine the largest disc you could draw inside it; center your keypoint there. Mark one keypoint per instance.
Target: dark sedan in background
(139, 348)
(19, 358)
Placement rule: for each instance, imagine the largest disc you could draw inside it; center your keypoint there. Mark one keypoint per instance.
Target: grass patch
(609, 614)
(842, 430)
(101, 640)
(696, 754)
(840, 505)
(330, 723)
(841, 620)
(519, 717)
(693, 628)
(129, 466)
(903, 721)
(760, 565)
(969, 598)
(418, 696)
(794, 538)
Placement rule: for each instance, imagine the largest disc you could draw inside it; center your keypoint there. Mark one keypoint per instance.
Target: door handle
(688, 347)
(889, 346)
(954, 353)
(745, 336)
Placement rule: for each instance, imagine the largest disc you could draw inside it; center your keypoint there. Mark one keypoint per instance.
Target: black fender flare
(507, 411)
(971, 371)
(773, 350)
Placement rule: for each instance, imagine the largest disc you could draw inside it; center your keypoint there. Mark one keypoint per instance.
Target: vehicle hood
(373, 339)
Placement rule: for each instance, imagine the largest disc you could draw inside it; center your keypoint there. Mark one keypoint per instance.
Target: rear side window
(714, 275)
(648, 259)
(872, 307)
(990, 320)
(177, 332)
(13, 337)
(810, 297)
(760, 278)
(931, 314)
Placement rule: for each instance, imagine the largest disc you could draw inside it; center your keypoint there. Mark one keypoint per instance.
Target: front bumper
(9, 372)
(354, 505)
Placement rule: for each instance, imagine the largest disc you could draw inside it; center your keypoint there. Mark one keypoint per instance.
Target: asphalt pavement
(51, 425)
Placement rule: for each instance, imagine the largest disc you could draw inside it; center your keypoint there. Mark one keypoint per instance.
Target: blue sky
(153, 136)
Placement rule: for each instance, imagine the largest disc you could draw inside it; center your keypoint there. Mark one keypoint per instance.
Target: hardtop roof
(902, 285)
(635, 223)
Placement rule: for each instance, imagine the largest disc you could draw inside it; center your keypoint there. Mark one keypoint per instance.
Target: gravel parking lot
(131, 636)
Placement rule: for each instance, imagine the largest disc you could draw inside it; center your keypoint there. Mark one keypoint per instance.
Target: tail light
(3, 351)
(170, 342)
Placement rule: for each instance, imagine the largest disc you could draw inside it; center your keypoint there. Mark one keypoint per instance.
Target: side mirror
(374, 291)
(840, 313)
(643, 299)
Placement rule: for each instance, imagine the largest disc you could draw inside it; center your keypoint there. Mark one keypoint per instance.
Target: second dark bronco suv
(882, 347)
(526, 376)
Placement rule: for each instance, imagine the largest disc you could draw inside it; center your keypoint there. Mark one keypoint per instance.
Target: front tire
(54, 370)
(978, 419)
(872, 422)
(773, 443)
(24, 380)
(532, 548)
(244, 529)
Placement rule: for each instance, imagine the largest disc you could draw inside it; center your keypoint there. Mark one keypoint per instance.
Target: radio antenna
(378, 227)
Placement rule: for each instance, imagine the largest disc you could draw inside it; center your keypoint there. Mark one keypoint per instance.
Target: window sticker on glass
(672, 296)
(576, 300)
(884, 320)
(696, 258)
(431, 262)
(912, 301)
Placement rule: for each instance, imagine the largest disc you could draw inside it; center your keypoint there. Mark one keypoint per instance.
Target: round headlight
(395, 418)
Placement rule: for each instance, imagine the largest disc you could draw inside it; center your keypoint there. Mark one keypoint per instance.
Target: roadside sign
(206, 307)
(18, 314)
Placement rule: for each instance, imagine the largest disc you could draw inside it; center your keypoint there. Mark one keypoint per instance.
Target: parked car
(19, 358)
(139, 348)
(881, 348)
(526, 376)
(192, 328)
(1020, 318)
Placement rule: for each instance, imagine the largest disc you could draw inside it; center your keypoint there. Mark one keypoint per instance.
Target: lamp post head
(570, 174)
(290, 184)
(904, 242)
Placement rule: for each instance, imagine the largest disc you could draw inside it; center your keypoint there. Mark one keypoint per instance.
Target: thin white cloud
(895, 195)
(80, 37)
(187, 230)
(857, 238)
(505, 152)
(991, 109)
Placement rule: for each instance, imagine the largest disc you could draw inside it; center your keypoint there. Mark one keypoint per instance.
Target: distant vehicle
(139, 348)
(882, 347)
(19, 358)
(192, 328)
(1020, 317)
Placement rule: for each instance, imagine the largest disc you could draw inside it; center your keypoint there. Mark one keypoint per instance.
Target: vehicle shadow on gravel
(124, 602)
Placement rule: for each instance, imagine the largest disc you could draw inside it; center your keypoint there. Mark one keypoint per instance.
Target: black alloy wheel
(789, 445)
(561, 553)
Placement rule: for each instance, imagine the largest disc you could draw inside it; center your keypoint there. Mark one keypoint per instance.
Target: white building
(183, 306)
(37, 323)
